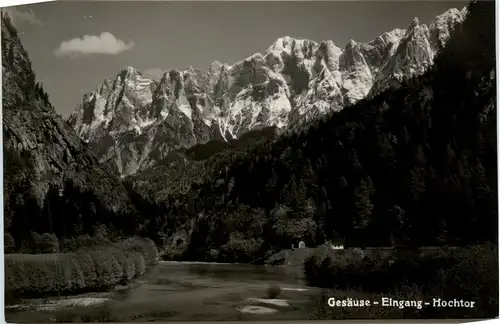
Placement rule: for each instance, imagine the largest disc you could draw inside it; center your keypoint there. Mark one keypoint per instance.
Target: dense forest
(68, 216)
(415, 165)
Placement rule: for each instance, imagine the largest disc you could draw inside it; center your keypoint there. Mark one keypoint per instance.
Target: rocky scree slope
(136, 121)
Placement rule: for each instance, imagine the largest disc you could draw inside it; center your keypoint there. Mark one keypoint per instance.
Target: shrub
(326, 267)
(108, 271)
(100, 239)
(145, 247)
(311, 268)
(139, 264)
(120, 259)
(9, 245)
(213, 255)
(60, 274)
(96, 269)
(49, 243)
(174, 255)
(45, 243)
(40, 278)
(35, 275)
(358, 253)
(77, 277)
(473, 275)
(73, 244)
(129, 266)
(16, 281)
(152, 252)
(9, 279)
(312, 264)
(241, 250)
(116, 271)
(273, 291)
(87, 265)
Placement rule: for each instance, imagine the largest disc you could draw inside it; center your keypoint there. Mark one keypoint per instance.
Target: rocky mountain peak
(293, 81)
(351, 44)
(393, 36)
(128, 71)
(215, 67)
(164, 77)
(286, 47)
(441, 27)
(416, 50)
(174, 75)
(414, 24)
(282, 44)
(327, 55)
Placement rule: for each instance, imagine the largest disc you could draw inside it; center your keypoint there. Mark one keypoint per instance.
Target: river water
(187, 291)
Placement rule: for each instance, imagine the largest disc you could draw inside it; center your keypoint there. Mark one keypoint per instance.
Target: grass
(36, 257)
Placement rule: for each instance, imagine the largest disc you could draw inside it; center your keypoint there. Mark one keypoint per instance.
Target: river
(186, 291)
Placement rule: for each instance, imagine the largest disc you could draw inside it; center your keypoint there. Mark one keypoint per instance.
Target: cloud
(106, 43)
(17, 16)
(154, 73)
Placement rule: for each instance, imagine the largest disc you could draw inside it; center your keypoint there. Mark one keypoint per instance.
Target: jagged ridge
(136, 121)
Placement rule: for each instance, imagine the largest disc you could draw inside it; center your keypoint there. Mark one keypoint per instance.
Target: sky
(74, 46)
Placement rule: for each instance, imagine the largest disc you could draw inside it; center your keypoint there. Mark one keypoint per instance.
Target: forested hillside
(53, 183)
(290, 83)
(412, 166)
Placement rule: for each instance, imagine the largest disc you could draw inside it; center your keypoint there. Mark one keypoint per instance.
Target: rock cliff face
(42, 152)
(135, 121)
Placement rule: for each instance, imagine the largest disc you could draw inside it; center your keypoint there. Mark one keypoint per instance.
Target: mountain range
(136, 121)
(417, 164)
(411, 167)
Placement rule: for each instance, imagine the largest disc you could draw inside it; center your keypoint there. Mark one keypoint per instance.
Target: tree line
(415, 165)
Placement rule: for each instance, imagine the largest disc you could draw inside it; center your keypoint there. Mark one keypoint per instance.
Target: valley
(183, 198)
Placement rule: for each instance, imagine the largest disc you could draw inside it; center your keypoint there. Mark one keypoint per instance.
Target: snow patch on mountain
(136, 121)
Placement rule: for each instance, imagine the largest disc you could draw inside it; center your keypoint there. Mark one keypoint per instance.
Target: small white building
(302, 245)
(336, 245)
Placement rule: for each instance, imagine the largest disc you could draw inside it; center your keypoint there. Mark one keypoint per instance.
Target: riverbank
(201, 291)
(177, 291)
(468, 273)
(97, 269)
(192, 291)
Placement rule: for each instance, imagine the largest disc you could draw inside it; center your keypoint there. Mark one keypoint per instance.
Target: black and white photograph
(249, 161)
